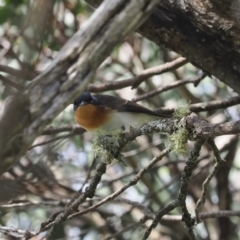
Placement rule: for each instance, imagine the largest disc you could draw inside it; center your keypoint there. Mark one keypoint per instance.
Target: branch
(69, 74)
(158, 70)
(138, 79)
(54, 130)
(217, 165)
(170, 86)
(206, 106)
(217, 104)
(68, 135)
(159, 216)
(196, 126)
(14, 232)
(202, 128)
(190, 166)
(9, 82)
(16, 72)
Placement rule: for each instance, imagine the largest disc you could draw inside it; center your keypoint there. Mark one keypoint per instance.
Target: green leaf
(4, 14)
(14, 2)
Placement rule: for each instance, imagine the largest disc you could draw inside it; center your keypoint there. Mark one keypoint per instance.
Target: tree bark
(206, 32)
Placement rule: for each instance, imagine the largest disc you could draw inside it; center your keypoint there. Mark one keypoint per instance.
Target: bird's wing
(123, 105)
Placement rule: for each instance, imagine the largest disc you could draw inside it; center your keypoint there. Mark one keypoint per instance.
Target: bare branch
(217, 104)
(158, 70)
(159, 216)
(190, 166)
(137, 80)
(14, 232)
(217, 165)
(54, 130)
(201, 128)
(206, 106)
(11, 83)
(53, 140)
(18, 73)
(172, 85)
(218, 214)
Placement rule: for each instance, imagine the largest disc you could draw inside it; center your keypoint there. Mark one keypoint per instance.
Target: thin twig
(14, 232)
(169, 87)
(88, 175)
(11, 83)
(37, 204)
(206, 106)
(54, 130)
(203, 129)
(18, 73)
(190, 166)
(205, 184)
(159, 216)
(127, 228)
(169, 66)
(137, 80)
(52, 140)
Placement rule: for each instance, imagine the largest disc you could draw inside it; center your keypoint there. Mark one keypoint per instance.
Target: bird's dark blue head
(83, 99)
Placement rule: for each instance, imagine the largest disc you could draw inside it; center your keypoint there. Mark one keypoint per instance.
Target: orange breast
(92, 117)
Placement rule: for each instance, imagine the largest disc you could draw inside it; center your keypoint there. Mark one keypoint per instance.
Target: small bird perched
(104, 114)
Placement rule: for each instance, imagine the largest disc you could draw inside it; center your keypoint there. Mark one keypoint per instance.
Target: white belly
(123, 121)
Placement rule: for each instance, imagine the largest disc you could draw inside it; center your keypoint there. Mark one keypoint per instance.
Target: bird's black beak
(75, 106)
(83, 103)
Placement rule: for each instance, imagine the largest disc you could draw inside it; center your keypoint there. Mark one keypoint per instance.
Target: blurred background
(61, 162)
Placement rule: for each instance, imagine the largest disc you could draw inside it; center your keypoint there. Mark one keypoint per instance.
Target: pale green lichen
(182, 111)
(177, 142)
(106, 147)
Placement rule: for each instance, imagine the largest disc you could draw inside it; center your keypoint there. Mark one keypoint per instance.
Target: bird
(105, 114)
